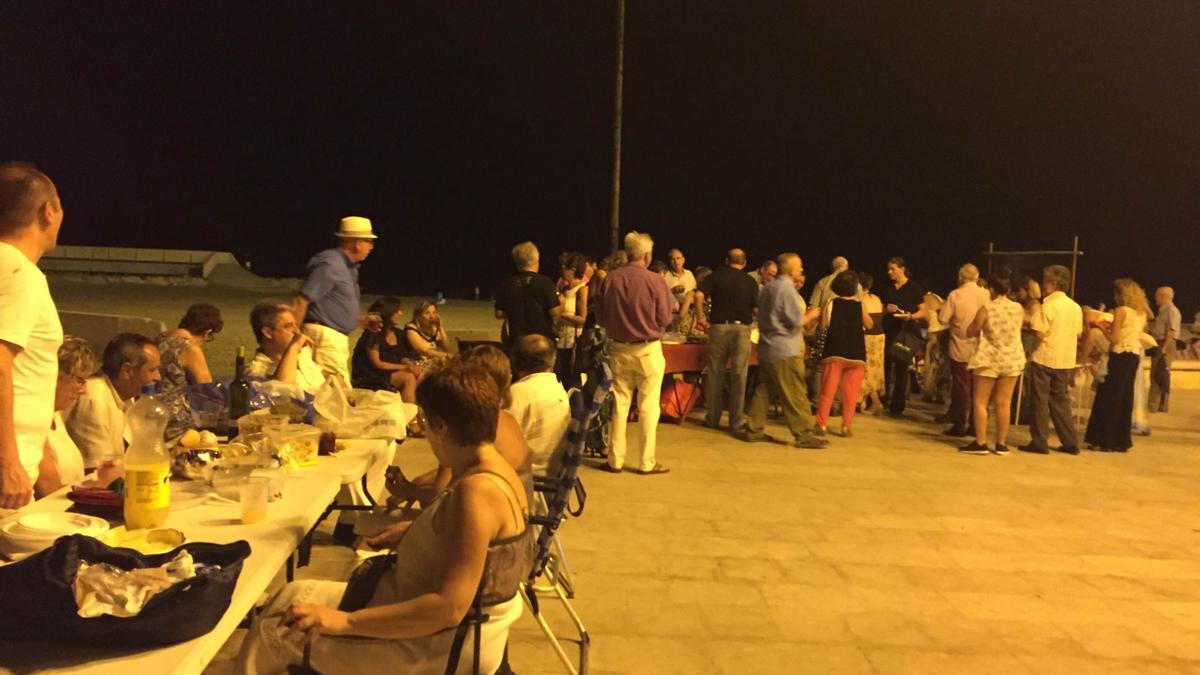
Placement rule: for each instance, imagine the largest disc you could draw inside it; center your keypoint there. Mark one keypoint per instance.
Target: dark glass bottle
(239, 390)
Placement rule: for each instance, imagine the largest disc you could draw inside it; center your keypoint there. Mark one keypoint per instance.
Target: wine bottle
(239, 389)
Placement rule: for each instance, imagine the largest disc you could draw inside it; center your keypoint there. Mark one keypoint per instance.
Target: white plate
(54, 524)
(19, 541)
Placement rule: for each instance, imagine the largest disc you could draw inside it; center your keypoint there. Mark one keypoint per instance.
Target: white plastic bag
(361, 413)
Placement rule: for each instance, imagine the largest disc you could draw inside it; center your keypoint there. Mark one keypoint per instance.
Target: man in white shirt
(765, 273)
(1058, 326)
(539, 402)
(284, 353)
(957, 313)
(96, 421)
(31, 216)
(681, 282)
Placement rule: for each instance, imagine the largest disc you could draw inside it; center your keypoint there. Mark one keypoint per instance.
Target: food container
(227, 481)
(255, 422)
(229, 473)
(276, 476)
(295, 445)
(196, 464)
(208, 419)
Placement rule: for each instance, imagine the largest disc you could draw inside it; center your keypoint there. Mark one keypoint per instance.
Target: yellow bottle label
(148, 487)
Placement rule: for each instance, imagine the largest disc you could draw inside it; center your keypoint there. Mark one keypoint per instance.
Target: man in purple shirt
(635, 308)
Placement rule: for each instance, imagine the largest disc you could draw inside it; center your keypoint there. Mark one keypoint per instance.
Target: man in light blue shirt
(781, 318)
(327, 305)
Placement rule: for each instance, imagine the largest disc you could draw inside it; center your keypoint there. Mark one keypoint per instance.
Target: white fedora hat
(356, 227)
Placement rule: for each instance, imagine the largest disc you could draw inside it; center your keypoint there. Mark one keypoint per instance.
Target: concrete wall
(219, 268)
(98, 329)
(135, 261)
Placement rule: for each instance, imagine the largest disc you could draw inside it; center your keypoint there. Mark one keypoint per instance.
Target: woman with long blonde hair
(1109, 426)
(426, 338)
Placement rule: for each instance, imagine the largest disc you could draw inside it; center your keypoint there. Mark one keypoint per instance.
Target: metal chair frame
(549, 559)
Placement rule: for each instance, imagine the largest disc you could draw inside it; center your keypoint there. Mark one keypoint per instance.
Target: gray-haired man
(635, 308)
(1058, 326)
(1165, 329)
(527, 301)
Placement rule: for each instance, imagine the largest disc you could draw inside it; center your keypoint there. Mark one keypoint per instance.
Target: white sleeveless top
(567, 332)
(1129, 340)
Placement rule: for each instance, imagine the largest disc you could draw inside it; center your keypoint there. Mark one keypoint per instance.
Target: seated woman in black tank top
(380, 359)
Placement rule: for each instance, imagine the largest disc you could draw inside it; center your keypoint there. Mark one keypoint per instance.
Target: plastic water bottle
(147, 464)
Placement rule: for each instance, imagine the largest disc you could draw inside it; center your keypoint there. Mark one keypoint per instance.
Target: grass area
(168, 304)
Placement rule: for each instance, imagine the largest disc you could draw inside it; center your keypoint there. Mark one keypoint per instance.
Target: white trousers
(640, 367)
(331, 349)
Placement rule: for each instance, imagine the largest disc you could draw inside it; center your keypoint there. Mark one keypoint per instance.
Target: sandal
(658, 468)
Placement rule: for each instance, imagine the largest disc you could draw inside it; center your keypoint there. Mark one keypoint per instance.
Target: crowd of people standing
(852, 349)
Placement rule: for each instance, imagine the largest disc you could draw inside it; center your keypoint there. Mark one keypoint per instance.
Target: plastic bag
(273, 393)
(362, 413)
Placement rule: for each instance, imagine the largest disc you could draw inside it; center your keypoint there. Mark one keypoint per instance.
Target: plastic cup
(254, 496)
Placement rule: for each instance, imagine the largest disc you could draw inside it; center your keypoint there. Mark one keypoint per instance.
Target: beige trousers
(640, 367)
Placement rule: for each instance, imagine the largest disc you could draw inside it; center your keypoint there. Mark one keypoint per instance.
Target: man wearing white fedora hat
(327, 305)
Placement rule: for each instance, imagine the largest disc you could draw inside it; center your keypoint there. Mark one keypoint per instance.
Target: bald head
(840, 264)
(27, 197)
(532, 353)
(735, 258)
(676, 260)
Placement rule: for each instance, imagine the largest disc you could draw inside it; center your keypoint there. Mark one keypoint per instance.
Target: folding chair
(557, 492)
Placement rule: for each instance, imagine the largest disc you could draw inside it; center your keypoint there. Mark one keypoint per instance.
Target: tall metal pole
(1074, 263)
(615, 209)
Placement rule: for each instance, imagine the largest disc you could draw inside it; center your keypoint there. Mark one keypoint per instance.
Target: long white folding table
(307, 496)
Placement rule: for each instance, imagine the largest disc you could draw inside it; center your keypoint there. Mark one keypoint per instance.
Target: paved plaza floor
(888, 552)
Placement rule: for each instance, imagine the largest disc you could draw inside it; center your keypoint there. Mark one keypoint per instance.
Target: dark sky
(863, 128)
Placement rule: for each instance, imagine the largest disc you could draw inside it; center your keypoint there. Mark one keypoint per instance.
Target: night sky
(862, 128)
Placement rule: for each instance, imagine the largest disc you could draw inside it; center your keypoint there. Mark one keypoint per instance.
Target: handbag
(818, 349)
(364, 580)
(39, 598)
(907, 342)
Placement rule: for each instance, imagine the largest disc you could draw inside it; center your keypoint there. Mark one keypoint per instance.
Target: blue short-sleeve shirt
(331, 286)
(780, 321)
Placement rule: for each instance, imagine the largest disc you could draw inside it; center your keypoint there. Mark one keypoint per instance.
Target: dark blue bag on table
(39, 600)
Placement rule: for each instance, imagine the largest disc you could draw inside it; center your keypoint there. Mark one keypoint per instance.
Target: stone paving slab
(891, 553)
(885, 553)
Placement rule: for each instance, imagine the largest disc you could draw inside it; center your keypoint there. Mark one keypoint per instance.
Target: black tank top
(844, 339)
